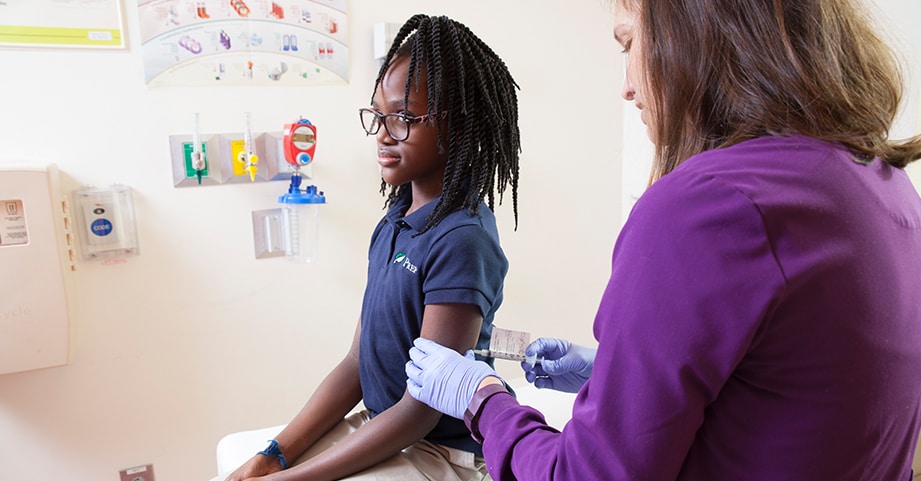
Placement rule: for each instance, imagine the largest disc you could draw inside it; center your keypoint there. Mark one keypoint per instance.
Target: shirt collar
(417, 219)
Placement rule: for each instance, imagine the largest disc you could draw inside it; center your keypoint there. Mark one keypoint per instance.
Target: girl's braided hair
(471, 85)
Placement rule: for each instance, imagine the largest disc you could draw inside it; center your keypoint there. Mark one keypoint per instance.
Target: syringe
(531, 360)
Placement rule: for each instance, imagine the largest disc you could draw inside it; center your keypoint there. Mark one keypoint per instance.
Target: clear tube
(534, 360)
(303, 220)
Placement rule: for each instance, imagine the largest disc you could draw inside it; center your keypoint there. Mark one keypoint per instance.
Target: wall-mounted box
(36, 252)
(105, 224)
(231, 151)
(224, 164)
(184, 172)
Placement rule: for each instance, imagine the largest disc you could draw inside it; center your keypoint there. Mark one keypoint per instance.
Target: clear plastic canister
(302, 212)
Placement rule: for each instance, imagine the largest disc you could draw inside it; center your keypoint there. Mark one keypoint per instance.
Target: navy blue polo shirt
(457, 261)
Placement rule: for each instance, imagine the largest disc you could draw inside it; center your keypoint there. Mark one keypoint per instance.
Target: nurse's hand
(564, 366)
(442, 378)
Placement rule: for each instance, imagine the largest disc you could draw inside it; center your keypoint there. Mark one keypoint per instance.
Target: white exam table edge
(235, 448)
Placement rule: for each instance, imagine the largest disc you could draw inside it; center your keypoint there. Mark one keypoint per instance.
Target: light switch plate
(137, 473)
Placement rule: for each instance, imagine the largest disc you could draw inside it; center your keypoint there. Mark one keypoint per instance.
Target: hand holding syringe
(556, 363)
(510, 345)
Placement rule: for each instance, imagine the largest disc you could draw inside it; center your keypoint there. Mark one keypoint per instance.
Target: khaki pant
(423, 461)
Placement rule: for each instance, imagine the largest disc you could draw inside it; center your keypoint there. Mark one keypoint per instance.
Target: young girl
(444, 114)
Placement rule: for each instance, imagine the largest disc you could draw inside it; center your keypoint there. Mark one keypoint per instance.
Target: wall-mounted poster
(244, 42)
(61, 23)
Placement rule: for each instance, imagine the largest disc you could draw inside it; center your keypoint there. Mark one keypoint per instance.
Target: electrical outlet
(137, 473)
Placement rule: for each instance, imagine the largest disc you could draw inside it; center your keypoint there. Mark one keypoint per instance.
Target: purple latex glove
(442, 378)
(564, 366)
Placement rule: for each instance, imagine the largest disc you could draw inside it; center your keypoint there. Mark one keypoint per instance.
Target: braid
(472, 85)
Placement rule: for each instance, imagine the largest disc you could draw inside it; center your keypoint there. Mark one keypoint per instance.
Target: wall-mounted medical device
(229, 157)
(105, 224)
(299, 143)
(36, 252)
(293, 230)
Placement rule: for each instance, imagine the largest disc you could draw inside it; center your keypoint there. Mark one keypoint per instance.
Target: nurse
(762, 319)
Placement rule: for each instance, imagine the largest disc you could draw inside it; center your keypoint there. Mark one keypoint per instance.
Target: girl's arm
(335, 397)
(337, 394)
(453, 325)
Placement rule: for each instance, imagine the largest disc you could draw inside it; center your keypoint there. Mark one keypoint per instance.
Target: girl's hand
(255, 467)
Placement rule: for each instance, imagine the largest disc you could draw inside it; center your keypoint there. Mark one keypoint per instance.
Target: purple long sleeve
(762, 322)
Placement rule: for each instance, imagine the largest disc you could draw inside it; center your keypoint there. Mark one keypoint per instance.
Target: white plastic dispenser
(37, 259)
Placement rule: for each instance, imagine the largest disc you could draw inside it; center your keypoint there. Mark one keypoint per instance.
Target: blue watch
(273, 451)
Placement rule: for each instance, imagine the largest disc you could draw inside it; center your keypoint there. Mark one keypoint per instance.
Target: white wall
(898, 21)
(195, 338)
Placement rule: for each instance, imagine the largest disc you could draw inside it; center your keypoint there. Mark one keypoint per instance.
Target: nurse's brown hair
(720, 72)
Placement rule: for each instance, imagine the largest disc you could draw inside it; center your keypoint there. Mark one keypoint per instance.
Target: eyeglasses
(396, 125)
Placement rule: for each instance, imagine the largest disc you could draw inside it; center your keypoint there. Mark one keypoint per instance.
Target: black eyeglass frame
(380, 118)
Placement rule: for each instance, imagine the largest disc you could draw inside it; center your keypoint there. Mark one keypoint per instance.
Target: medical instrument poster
(244, 42)
(61, 23)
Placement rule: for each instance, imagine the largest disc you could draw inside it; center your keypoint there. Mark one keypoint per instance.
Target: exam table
(235, 448)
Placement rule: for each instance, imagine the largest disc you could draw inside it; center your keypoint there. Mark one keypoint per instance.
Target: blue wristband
(273, 451)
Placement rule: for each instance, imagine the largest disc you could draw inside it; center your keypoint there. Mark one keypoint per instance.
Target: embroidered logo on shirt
(402, 259)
